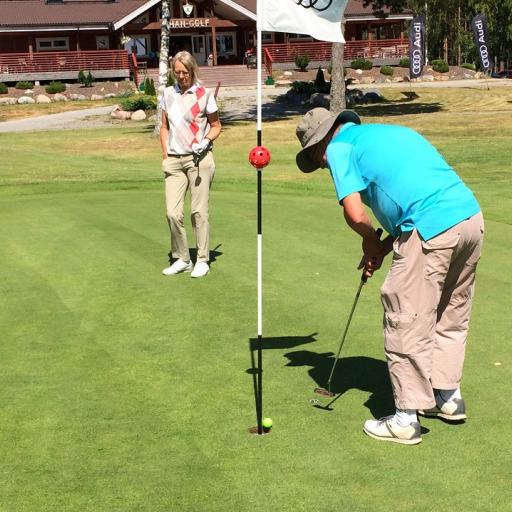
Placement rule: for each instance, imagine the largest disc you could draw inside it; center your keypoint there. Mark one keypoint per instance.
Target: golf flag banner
(481, 38)
(416, 46)
(320, 19)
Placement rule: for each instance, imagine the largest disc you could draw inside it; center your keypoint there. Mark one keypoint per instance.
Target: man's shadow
(214, 254)
(359, 372)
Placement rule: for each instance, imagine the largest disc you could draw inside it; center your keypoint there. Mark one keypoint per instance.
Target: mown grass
(124, 390)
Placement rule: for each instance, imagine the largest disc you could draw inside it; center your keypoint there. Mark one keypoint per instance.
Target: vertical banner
(416, 46)
(481, 38)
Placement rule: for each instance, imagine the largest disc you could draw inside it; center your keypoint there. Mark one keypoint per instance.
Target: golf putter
(327, 391)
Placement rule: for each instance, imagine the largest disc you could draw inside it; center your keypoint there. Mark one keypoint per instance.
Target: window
(296, 37)
(226, 43)
(48, 44)
(267, 37)
(102, 43)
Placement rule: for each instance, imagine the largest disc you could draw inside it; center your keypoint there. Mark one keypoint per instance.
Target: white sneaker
(177, 267)
(387, 429)
(200, 270)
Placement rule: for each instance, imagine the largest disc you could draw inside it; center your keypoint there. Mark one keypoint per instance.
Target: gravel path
(235, 104)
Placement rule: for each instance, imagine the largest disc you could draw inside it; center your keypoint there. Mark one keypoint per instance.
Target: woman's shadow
(359, 372)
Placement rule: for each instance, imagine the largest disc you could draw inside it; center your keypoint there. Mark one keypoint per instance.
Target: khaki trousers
(427, 298)
(181, 174)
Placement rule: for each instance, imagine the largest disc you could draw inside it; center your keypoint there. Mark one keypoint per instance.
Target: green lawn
(124, 390)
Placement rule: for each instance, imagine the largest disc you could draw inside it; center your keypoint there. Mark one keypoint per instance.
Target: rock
(318, 99)
(59, 97)
(479, 75)
(367, 80)
(398, 79)
(442, 78)
(77, 97)
(8, 101)
(25, 99)
(119, 113)
(102, 89)
(110, 95)
(96, 97)
(139, 115)
(152, 118)
(428, 78)
(359, 71)
(288, 73)
(282, 83)
(42, 98)
(28, 91)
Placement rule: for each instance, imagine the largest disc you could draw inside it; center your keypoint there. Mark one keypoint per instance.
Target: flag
(320, 19)
(416, 46)
(481, 38)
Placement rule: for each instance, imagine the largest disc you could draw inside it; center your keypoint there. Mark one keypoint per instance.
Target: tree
(163, 64)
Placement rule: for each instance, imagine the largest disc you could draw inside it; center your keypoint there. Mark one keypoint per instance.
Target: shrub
(3, 88)
(320, 79)
(148, 86)
(387, 70)
(467, 65)
(301, 87)
(142, 102)
(404, 62)
(361, 64)
(55, 87)
(302, 61)
(440, 66)
(24, 85)
(81, 77)
(89, 80)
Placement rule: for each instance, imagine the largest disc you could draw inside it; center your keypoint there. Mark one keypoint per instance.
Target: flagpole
(259, 408)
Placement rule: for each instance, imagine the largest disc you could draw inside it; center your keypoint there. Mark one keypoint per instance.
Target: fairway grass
(124, 390)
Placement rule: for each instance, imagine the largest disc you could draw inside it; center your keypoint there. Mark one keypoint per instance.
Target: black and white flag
(481, 38)
(320, 19)
(416, 46)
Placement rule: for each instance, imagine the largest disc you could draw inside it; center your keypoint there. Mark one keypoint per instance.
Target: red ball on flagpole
(259, 157)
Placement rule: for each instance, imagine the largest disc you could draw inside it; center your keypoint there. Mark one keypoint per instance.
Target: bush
(142, 102)
(55, 87)
(404, 62)
(3, 88)
(148, 86)
(89, 80)
(301, 87)
(440, 66)
(361, 64)
(24, 85)
(467, 65)
(387, 70)
(320, 78)
(81, 77)
(302, 61)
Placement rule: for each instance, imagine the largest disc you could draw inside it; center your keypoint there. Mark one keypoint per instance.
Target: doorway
(199, 49)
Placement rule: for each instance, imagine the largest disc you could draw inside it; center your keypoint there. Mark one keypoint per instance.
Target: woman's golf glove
(201, 148)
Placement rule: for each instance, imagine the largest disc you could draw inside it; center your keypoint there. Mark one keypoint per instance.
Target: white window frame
(52, 47)
(102, 43)
(224, 34)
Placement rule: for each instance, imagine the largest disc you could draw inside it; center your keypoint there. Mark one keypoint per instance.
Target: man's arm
(373, 249)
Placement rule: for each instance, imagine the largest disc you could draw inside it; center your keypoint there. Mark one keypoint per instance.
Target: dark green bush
(55, 87)
(302, 61)
(89, 80)
(24, 85)
(148, 86)
(320, 78)
(302, 87)
(440, 66)
(387, 70)
(142, 102)
(81, 77)
(3, 88)
(467, 65)
(404, 62)
(361, 64)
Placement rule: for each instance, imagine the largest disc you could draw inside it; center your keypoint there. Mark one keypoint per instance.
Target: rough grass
(124, 390)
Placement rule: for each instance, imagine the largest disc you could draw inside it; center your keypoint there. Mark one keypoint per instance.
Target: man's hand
(374, 252)
(200, 148)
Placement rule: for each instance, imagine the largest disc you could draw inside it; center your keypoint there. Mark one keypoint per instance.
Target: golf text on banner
(481, 38)
(320, 19)
(416, 46)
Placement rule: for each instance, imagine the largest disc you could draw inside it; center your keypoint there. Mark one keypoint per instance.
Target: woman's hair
(190, 64)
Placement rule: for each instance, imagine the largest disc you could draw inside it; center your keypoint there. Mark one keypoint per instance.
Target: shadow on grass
(363, 373)
(398, 108)
(214, 254)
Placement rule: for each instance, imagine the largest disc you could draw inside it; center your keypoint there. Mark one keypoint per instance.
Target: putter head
(324, 392)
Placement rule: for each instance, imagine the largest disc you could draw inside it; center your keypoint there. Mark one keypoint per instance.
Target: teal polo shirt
(401, 177)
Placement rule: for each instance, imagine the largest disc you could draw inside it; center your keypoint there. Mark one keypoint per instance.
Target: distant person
(435, 231)
(190, 124)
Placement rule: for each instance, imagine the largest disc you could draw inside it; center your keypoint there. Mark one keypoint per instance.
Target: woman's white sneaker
(177, 267)
(387, 429)
(200, 270)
